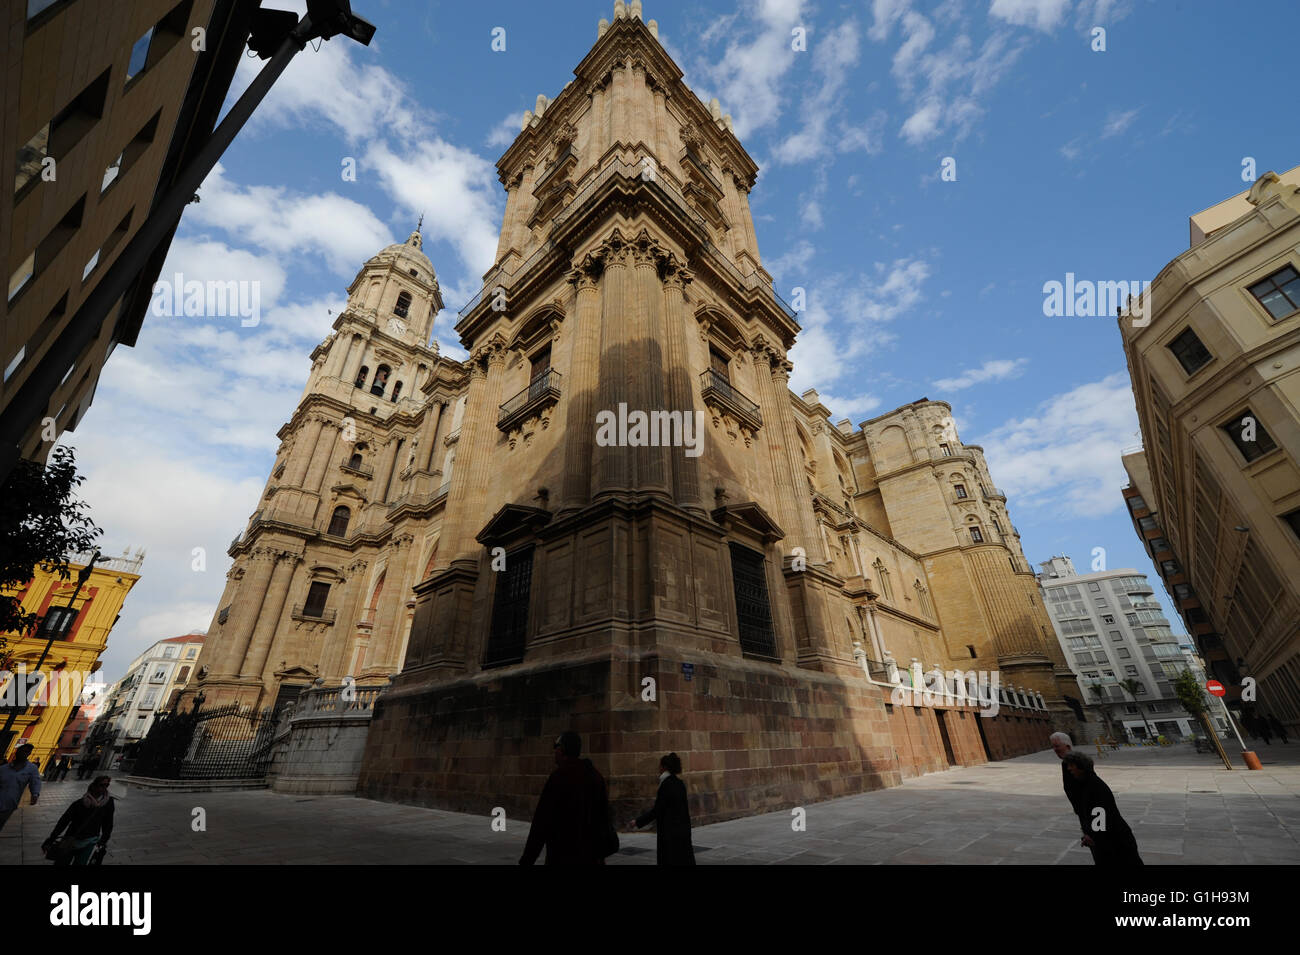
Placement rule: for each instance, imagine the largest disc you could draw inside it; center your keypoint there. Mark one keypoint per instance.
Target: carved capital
(585, 274)
(564, 136)
(691, 137)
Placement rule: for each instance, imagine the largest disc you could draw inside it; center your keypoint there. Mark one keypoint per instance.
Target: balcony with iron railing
(542, 391)
(994, 494)
(327, 616)
(716, 387)
(358, 469)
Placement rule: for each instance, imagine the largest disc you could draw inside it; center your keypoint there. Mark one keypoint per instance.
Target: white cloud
(1066, 456)
(833, 58)
(505, 132)
(341, 231)
(1045, 15)
(457, 191)
(860, 406)
(793, 262)
(1117, 122)
(997, 370)
(758, 55)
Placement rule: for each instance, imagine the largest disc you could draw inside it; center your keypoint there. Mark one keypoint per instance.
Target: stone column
(340, 353)
(596, 137)
(356, 355)
(663, 155)
(681, 396)
(303, 450)
(386, 637)
(334, 654)
(582, 383)
(791, 495)
(244, 612)
(611, 463)
(386, 473)
(268, 620)
(645, 355)
(467, 496)
(747, 222)
(325, 458)
(429, 435)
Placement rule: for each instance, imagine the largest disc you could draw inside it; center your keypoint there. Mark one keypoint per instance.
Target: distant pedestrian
(89, 821)
(572, 817)
(65, 764)
(1262, 727)
(1278, 728)
(1063, 746)
(1105, 832)
(16, 775)
(671, 814)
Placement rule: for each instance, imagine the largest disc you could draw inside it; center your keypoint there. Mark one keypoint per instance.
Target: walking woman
(672, 815)
(1104, 830)
(89, 822)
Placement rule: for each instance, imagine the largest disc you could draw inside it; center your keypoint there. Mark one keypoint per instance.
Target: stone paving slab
(1184, 808)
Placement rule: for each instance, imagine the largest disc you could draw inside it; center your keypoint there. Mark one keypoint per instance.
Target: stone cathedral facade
(463, 528)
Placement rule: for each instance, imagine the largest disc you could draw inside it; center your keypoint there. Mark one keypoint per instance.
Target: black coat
(1073, 788)
(1114, 844)
(83, 822)
(672, 814)
(572, 817)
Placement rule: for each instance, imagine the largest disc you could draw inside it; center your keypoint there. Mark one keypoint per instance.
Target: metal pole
(33, 398)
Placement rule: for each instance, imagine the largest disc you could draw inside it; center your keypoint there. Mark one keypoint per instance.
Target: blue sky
(1067, 160)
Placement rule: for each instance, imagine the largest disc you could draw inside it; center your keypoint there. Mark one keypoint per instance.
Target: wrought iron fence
(228, 742)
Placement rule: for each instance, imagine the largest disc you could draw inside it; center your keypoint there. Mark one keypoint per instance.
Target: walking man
(572, 818)
(1062, 746)
(16, 775)
(1105, 832)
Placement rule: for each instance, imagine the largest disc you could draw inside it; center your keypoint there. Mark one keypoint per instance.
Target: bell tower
(306, 597)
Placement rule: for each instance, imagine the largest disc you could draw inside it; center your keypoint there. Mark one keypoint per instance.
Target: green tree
(1190, 694)
(42, 523)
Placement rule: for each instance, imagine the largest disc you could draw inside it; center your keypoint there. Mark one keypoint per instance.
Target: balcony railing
(994, 494)
(360, 470)
(717, 386)
(542, 390)
(323, 616)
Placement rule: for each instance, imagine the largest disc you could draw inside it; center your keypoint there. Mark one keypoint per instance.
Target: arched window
(361, 377)
(403, 304)
(397, 390)
(380, 384)
(339, 522)
(883, 576)
(354, 462)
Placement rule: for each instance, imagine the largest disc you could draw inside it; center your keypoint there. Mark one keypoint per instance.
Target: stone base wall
(753, 737)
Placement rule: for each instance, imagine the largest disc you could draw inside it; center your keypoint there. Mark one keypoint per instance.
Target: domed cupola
(397, 289)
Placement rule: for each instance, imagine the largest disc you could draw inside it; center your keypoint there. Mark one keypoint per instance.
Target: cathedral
(725, 573)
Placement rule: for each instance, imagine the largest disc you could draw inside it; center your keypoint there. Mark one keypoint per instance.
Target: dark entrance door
(288, 694)
(943, 732)
(749, 582)
(979, 725)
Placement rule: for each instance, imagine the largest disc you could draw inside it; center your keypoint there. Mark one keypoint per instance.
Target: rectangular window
(978, 538)
(15, 363)
(139, 56)
(1189, 351)
(159, 675)
(947, 451)
(183, 675)
(169, 653)
(191, 653)
(1279, 293)
(541, 363)
(1124, 653)
(1107, 619)
(960, 489)
(1292, 520)
(719, 363)
(57, 622)
(1248, 434)
(753, 611)
(997, 527)
(1094, 587)
(1135, 503)
(1116, 636)
(509, 632)
(316, 596)
(1101, 602)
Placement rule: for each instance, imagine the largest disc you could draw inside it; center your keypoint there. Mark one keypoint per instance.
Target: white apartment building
(1122, 649)
(151, 681)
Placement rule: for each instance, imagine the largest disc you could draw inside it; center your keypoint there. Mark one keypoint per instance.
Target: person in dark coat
(1104, 830)
(89, 822)
(1278, 728)
(672, 815)
(1063, 746)
(61, 772)
(572, 817)
(1262, 729)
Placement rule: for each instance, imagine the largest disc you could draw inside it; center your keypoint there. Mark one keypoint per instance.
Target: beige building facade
(618, 487)
(104, 103)
(1215, 493)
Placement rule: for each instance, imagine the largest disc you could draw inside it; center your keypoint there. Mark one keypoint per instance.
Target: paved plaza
(1185, 808)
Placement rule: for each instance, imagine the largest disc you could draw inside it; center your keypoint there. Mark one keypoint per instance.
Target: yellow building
(40, 708)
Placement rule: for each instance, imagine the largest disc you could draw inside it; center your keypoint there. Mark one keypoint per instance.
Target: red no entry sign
(1215, 687)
